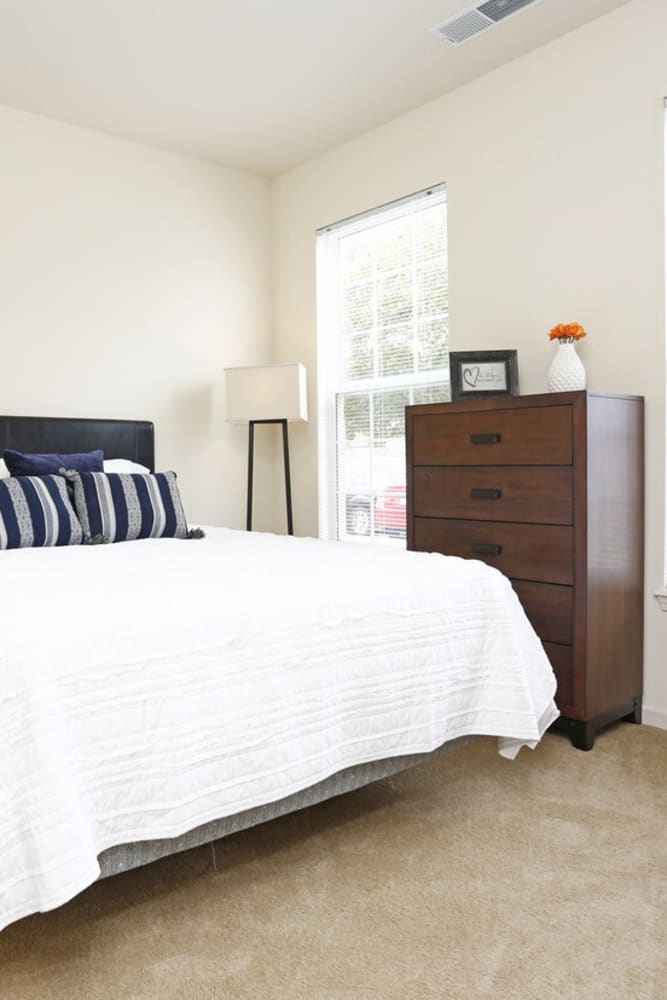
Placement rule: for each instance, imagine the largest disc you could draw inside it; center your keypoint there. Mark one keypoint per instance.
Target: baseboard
(654, 717)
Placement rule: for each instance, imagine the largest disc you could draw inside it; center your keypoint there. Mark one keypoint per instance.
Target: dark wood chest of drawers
(549, 490)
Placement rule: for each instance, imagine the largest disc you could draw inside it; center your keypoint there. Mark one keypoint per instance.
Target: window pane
(357, 356)
(429, 234)
(432, 394)
(432, 290)
(396, 350)
(355, 257)
(354, 423)
(370, 465)
(354, 466)
(393, 245)
(389, 414)
(357, 307)
(394, 298)
(432, 341)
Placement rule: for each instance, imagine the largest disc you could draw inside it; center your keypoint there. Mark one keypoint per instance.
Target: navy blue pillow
(48, 465)
(123, 506)
(36, 512)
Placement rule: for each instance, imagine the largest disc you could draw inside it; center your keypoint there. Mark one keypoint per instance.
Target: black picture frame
(474, 374)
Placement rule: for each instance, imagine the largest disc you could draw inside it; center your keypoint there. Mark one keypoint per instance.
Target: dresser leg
(582, 734)
(636, 714)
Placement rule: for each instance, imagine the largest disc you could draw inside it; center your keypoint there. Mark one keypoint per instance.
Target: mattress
(150, 687)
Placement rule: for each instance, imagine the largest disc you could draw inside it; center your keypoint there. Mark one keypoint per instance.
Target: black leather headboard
(133, 439)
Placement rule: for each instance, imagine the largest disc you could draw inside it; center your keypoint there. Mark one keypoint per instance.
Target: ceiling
(254, 84)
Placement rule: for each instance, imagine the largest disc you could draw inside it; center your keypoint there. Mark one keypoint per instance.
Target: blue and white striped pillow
(35, 511)
(121, 507)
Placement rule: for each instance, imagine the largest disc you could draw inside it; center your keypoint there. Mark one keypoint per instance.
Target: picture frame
(474, 374)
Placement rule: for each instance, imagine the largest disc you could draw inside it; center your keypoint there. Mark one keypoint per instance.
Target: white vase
(566, 372)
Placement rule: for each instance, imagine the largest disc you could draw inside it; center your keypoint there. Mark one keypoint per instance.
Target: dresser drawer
(526, 436)
(549, 608)
(561, 660)
(541, 494)
(541, 552)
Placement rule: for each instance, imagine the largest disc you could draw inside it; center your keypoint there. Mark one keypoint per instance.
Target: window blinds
(383, 343)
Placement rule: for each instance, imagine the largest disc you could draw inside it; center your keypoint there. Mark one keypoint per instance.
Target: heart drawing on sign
(470, 376)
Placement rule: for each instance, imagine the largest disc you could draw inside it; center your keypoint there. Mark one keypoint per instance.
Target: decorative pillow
(122, 465)
(36, 511)
(121, 507)
(4, 471)
(48, 465)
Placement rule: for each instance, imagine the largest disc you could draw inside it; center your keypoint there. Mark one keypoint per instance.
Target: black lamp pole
(251, 460)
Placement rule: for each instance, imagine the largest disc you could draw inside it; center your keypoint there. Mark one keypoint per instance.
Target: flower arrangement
(567, 333)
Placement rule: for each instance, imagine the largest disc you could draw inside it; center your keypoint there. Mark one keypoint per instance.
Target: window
(383, 343)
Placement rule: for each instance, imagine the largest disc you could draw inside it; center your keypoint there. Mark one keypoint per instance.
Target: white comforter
(147, 687)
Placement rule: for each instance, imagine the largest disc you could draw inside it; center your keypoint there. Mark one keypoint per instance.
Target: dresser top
(518, 402)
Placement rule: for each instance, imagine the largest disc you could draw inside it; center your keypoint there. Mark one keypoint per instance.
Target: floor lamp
(266, 394)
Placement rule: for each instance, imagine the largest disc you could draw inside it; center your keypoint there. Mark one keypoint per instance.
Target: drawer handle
(485, 438)
(486, 549)
(477, 494)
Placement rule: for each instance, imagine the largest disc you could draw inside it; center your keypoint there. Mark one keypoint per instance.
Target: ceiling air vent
(471, 22)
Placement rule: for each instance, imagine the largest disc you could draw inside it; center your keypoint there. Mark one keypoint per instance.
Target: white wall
(129, 278)
(553, 165)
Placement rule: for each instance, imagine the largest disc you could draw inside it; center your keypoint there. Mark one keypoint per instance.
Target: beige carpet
(469, 877)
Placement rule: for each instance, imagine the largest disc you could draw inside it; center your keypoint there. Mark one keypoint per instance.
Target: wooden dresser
(548, 489)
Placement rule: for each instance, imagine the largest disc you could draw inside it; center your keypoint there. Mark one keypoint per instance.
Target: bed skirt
(126, 856)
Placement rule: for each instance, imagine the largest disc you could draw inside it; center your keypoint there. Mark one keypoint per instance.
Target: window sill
(661, 598)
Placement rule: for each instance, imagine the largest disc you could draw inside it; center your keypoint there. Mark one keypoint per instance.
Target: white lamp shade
(266, 392)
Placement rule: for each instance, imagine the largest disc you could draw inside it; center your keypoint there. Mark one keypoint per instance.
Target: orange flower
(567, 332)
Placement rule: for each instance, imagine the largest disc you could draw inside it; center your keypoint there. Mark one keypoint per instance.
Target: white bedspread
(147, 687)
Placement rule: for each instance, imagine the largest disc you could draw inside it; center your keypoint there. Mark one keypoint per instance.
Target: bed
(162, 693)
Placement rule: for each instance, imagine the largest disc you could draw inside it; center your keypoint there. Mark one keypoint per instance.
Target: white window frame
(661, 592)
(328, 347)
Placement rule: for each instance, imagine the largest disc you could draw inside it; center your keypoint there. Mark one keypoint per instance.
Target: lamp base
(251, 462)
